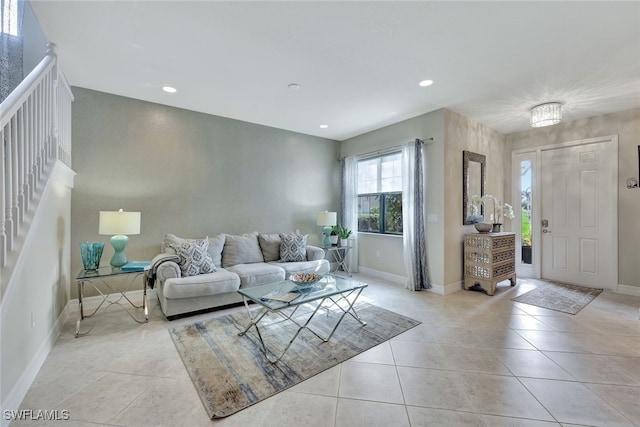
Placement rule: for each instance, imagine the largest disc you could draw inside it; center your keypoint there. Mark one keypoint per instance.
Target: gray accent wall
(192, 174)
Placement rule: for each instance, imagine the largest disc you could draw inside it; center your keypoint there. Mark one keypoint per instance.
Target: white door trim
(535, 220)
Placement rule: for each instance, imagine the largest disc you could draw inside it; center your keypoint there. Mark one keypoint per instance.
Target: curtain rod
(426, 141)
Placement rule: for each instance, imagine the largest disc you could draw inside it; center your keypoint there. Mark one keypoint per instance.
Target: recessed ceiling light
(426, 83)
(294, 86)
(324, 126)
(169, 89)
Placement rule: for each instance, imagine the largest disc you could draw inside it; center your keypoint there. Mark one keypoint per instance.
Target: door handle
(546, 231)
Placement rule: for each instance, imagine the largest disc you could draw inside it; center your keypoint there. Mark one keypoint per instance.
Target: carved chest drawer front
(489, 258)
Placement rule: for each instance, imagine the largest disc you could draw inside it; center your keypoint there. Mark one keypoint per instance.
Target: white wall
(33, 307)
(391, 261)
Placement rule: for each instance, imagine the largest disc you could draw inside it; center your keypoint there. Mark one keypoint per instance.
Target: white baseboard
(402, 280)
(628, 290)
(393, 278)
(446, 289)
(20, 389)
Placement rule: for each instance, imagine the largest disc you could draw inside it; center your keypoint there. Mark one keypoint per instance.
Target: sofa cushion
(216, 245)
(220, 282)
(241, 249)
(293, 247)
(258, 274)
(194, 258)
(270, 246)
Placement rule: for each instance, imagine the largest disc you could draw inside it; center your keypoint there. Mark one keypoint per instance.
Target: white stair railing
(35, 129)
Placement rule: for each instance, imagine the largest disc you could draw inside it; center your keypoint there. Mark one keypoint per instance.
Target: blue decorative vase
(91, 252)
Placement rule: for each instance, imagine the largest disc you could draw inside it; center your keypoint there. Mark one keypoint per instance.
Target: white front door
(579, 213)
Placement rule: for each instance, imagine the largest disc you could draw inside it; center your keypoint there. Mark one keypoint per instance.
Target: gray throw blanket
(155, 263)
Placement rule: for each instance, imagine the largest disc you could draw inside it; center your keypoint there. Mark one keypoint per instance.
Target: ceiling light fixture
(294, 86)
(546, 114)
(169, 89)
(426, 83)
(324, 126)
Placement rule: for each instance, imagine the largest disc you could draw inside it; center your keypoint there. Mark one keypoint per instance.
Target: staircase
(35, 210)
(35, 130)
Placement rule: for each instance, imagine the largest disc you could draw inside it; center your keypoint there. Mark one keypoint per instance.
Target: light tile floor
(476, 360)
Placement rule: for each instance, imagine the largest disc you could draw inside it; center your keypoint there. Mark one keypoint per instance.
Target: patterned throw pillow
(293, 247)
(194, 257)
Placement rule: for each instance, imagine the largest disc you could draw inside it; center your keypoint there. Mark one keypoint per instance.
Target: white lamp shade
(119, 223)
(327, 218)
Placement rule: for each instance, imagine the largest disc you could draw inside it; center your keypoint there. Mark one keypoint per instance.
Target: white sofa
(240, 261)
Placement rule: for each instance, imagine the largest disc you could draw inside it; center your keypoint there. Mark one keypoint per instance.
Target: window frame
(382, 196)
(12, 21)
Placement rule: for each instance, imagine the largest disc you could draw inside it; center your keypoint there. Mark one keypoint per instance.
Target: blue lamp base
(327, 233)
(119, 243)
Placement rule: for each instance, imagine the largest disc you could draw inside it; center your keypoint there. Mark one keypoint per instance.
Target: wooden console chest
(489, 258)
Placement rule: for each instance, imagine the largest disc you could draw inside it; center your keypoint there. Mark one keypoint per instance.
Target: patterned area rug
(231, 373)
(559, 297)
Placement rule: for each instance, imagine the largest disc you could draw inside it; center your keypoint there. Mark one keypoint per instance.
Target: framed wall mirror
(473, 183)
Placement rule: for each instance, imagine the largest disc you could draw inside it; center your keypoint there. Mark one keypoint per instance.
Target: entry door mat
(559, 297)
(231, 372)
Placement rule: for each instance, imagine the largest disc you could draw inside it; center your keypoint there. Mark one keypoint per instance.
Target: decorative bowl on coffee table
(305, 280)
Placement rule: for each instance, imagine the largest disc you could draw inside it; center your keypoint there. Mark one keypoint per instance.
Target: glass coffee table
(331, 292)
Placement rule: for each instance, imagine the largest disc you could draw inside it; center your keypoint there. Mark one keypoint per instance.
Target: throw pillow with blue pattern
(293, 247)
(194, 257)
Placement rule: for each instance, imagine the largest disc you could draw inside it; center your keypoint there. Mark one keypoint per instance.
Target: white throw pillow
(241, 249)
(216, 245)
(270, 245)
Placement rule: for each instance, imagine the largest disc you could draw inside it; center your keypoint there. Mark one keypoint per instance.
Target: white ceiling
(358, 62)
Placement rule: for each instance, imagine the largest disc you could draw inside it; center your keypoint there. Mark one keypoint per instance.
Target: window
(526, 204)
(380, 194)
(9, 17)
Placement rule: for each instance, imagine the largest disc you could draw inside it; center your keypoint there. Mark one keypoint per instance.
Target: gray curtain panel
(421, 270)
(413, 214)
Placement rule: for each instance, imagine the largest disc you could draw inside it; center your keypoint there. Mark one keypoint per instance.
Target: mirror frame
(468, 156)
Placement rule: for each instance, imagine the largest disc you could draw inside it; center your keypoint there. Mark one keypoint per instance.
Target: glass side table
(339, 254)
(101, 276)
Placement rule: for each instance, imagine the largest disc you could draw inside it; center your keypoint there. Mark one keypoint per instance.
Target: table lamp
(119, 224)
(327, 220)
